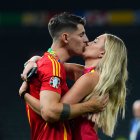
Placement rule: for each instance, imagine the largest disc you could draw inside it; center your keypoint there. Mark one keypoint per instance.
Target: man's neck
(61, 52)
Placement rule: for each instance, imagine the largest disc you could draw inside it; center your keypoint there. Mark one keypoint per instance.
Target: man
(49, 84)
(135, 123)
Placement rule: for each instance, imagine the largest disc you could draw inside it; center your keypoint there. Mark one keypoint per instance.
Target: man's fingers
(105, 99)
(107, 96)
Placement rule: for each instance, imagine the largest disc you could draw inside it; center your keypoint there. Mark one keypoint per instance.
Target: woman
(107, 55)
(105, 72)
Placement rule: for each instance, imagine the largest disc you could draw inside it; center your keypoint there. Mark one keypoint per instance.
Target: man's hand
(23, 88)
(98, 103)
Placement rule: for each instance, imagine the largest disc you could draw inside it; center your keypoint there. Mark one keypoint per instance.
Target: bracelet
(65, 112)
(23, 94)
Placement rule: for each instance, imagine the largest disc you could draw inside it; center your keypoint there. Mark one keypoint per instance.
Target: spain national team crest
(55, 82)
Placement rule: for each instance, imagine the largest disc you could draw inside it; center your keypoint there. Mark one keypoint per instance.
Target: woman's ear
(101, 54)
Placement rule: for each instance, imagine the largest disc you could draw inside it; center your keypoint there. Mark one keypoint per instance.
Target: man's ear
(65, 37)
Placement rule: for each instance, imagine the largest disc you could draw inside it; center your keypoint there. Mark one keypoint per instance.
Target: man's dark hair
(64, 22)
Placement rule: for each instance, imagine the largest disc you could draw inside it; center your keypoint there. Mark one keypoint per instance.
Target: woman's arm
(81, 88)
(34, 59)
(73, 70)
(29, 65)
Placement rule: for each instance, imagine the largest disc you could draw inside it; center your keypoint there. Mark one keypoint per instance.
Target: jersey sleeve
(50, 75)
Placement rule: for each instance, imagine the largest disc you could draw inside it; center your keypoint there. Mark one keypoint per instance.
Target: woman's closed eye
(95, 40)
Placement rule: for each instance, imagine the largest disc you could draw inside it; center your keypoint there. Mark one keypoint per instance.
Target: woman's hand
(27, 69)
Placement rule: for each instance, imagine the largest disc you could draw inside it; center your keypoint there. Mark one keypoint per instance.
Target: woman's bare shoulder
(91, 78)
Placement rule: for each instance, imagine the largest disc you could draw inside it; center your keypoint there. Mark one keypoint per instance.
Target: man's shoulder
(46, 59)
(49, 64)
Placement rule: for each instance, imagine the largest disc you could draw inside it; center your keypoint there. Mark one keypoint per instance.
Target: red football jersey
(50, 75)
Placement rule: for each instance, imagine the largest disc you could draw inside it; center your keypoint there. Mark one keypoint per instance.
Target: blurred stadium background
(23, 33)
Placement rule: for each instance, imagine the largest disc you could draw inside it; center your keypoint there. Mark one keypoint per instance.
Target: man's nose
(86, 38)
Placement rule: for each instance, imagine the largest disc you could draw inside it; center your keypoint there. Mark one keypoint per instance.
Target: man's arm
(33, 102)
(52, 109)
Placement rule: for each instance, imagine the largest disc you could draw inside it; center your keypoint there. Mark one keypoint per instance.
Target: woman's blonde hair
(113, 76)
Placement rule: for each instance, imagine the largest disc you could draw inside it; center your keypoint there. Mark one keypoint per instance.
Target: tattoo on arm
(65, 112)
